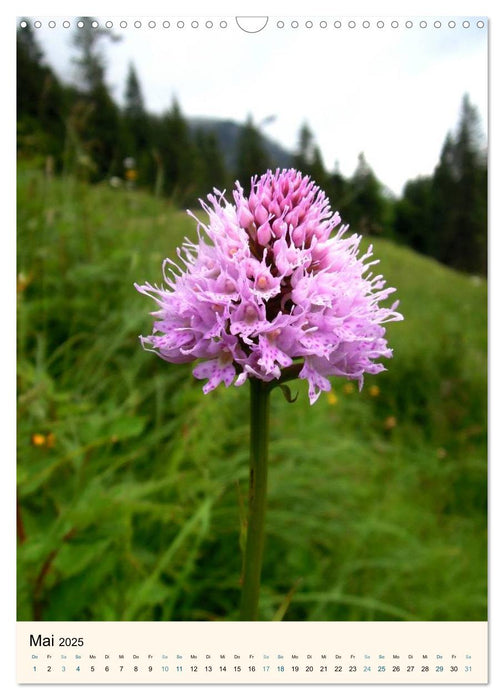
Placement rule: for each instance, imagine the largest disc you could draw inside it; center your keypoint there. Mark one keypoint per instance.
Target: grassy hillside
(132, 484)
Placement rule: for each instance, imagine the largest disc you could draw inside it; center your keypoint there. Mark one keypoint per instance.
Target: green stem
(259, 428)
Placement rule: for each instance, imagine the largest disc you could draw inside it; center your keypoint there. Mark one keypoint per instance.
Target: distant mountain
(228, 133)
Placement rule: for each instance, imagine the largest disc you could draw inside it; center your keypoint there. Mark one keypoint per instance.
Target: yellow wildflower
(38, 440)
(390, 422)
(332, 399)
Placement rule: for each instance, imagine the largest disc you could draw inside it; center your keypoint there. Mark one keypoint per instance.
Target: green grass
(133, 507)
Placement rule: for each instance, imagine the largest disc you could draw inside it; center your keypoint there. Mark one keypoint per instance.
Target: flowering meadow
(132, 484)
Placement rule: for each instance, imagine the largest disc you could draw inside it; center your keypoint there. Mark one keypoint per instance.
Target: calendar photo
(252, 348)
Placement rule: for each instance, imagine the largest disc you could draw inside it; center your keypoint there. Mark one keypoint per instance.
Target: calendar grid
(236, 652)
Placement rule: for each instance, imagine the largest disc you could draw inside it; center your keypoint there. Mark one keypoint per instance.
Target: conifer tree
(445, 216)
(308, 158)
(460, 195)
(210, 166)
(414, 217)
(175, 156)
(251, 157)
(136, 121)
(367, 207)
(135, 132)
(337, 189)
(99, 131)
(40, 98)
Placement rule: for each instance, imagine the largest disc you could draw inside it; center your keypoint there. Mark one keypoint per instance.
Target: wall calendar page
(252, 349)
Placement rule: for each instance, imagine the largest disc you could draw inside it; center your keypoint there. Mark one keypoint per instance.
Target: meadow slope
(132, 484)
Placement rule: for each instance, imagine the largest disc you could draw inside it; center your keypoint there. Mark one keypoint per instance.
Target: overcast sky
(391, 93)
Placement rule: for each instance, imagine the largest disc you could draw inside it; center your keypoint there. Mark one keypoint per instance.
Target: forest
(80, 129)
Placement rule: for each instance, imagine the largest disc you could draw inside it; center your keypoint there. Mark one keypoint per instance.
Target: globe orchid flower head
(272, 282)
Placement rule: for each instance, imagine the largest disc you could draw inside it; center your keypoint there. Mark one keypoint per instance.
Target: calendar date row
(306, 668)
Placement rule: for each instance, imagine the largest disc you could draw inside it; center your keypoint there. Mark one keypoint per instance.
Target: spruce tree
(135, 131)
(95, 122)
(251, 156)
(175, 156)
(337, 189)
(366, 209)
(413, 220)
(308, 158)
(460, 195)
(210, 166)
(136, 120)
(40, 100)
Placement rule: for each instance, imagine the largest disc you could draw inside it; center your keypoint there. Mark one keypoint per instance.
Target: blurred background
(132, 485)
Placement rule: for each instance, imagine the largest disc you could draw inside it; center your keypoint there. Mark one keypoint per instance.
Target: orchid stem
(259, 429)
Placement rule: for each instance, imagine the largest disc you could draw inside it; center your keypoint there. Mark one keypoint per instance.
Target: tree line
(78, 128)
